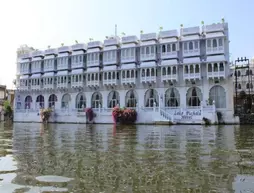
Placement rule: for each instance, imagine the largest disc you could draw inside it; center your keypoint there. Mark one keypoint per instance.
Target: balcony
(147, 37)
(128, 80)
(190, 31)
(169, 77)
(79, 84)
(64, 49)
(145, 57)
(110, 82)
(215, 50)
(94, 44)
(37, 53)
(129, 39)
(214, 28)
(36, 87)
(112, 41)
(62, 85)
(24, 88)
(189, 53)
(78, 47)
(49, 86)
(93, 83)
(192, 76)
(167, 55)
(148, 79)
(218, 74)
(168, 34)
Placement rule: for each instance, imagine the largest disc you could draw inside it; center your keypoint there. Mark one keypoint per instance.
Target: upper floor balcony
(110, 75)
(128, 73)
(110, 57)
(219, 27)
(191, 48)
(37, 53)
(49, 64)
(64, 49)
(148, 72)
(128, 55)
(24, 83)
(77, 59)
(36, 65)
(63, 63)
(51, 51)
(169, 50)
(36, 82)
(192, 70)
(215, 43)
(148, 53)
(78, 47)
(77, 78)
(48, 81)
(62, 79)
(189, 31)
(24, 67)
(129, 40)
(216, 66)
(93, 77)
(112, 41)
(93, 59)
(94, 44)
(169, 70)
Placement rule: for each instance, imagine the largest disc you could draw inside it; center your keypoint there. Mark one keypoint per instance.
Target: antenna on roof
(115, 30)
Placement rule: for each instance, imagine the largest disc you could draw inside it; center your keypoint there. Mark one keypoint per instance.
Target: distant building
(2, 99)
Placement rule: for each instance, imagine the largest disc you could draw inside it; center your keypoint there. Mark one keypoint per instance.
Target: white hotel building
(169, 76)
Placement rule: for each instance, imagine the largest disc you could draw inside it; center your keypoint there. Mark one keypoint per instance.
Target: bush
(89, 114)
(124, 115)
(8, 112)
(45, 114)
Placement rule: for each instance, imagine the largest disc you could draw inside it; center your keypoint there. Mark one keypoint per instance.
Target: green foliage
(7, 109)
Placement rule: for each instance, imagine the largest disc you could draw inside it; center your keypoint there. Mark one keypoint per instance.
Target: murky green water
(133, 159)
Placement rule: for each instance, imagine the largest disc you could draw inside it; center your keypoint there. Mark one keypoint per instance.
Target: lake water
(106, 159)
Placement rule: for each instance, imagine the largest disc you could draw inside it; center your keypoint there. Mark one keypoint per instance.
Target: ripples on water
(133, 159)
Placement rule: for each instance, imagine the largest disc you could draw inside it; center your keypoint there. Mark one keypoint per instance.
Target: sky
(40, 23)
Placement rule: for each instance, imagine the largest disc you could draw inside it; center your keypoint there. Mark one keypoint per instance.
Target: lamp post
(244, 65)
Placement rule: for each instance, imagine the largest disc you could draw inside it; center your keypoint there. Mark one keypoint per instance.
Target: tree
(7, 109)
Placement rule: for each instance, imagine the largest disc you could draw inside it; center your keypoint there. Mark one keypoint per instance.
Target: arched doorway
(131, 99)
(218, 94)
(40, 102)
(66, 99)
(52, 100)
(28, 102)
(151, 98)
(113, 99)
(194, 96)
(96, 100)
(172, 98)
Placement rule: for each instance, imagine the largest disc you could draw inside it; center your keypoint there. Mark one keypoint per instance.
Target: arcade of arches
(171, 98)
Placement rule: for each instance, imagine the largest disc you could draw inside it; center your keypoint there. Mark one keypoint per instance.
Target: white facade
(170, 76)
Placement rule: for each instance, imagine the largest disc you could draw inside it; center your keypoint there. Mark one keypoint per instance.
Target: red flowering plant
(89, 113)
(124, 115)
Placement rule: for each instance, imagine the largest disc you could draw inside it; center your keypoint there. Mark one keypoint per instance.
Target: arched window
(80, 101)
(190, 45)
(210, 68)
(221, 67)
(163, 48)
(131, 99)
(247, 72)
(151, 98)
(96, 100)
(66, 99)
(172, 98)
(173, 47)
(113, 99)
(239, 86)
(40, 101)
(247, 86)
(238, 73)
(163, 71)
(194, 96)
(214, 43)
(217, 93)
(52, 100)
(28, 102)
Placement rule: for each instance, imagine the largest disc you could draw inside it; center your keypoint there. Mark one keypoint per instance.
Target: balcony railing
(93, 83)
(215, 50)
(169, 54)
(35, 87)
(128, 80)
(189, 76)
(216, 74)
(194, 52)
(128, 59)
(77, 84)
(148, 57)
(62, 85)
(110, 82)
(169, 77)
(148, 79)
(93, 63)
(48, 86)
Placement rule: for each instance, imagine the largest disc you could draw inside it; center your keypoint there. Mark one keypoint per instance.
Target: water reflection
(106, 158)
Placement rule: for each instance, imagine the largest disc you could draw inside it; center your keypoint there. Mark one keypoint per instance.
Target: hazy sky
(40, 23)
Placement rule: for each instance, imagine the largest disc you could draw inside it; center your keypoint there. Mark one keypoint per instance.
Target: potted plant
(45, 114)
